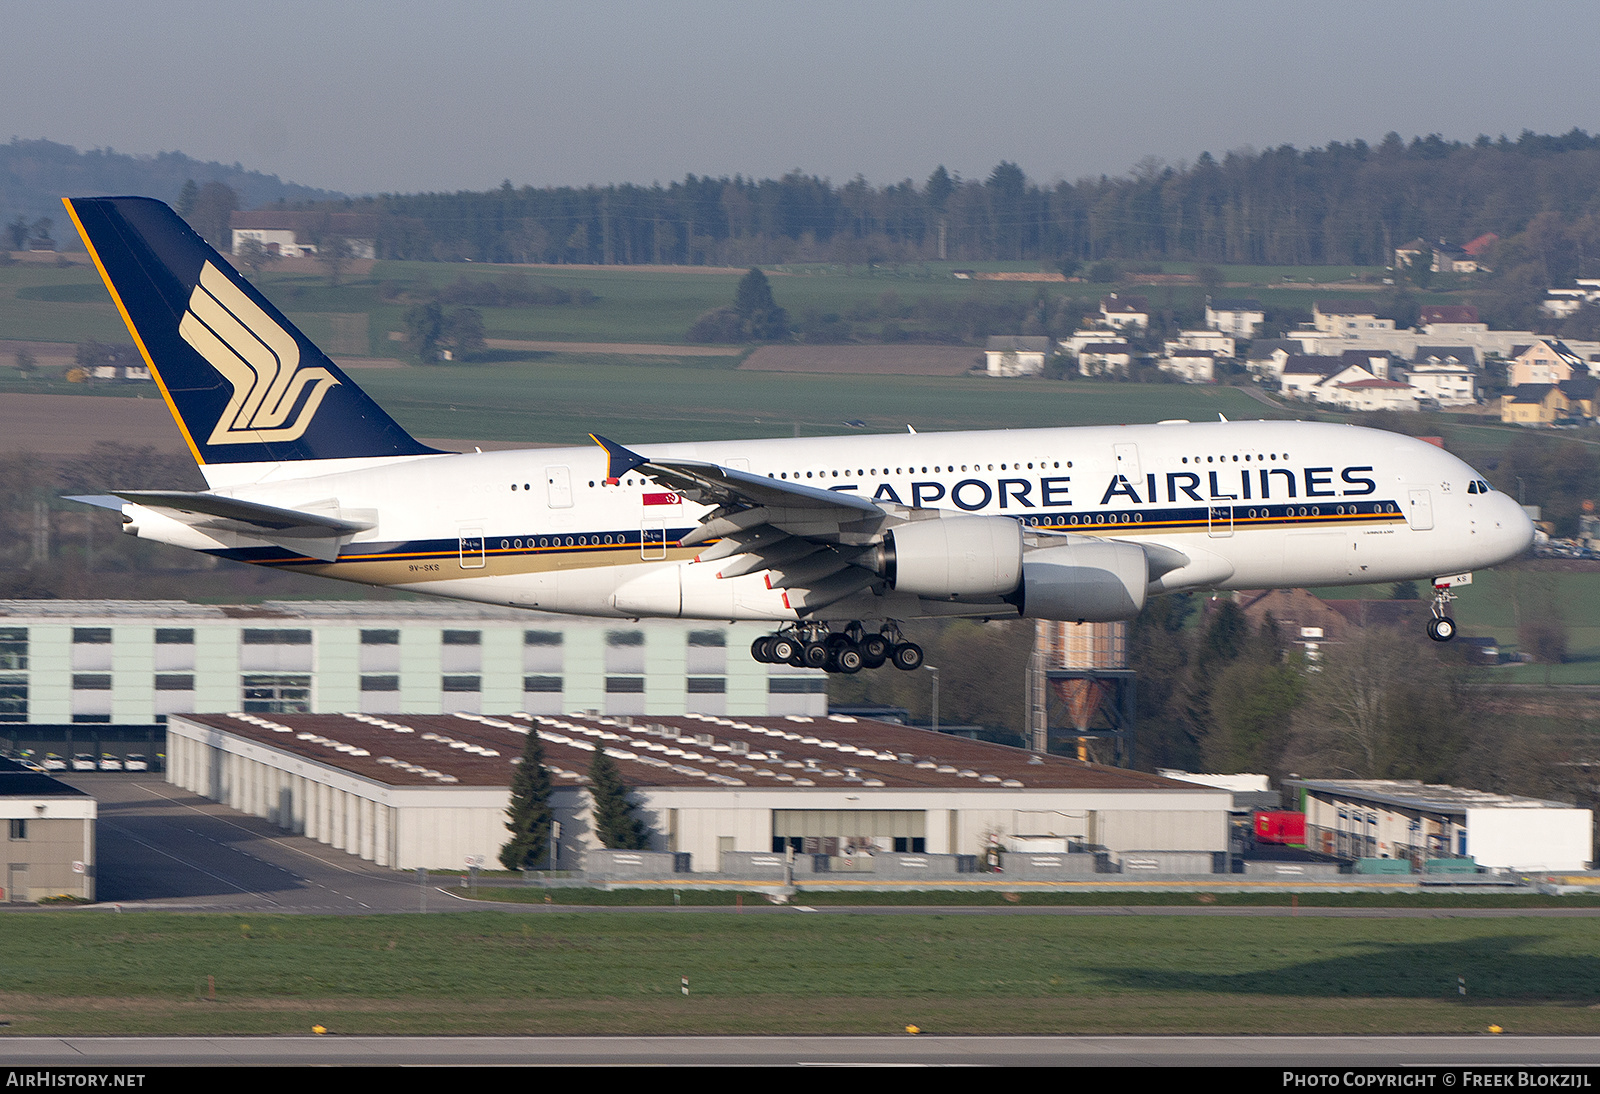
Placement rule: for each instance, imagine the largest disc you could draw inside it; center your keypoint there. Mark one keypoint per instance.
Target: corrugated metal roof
(699, 751)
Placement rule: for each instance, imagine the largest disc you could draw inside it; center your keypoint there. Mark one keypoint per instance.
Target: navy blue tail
(245, 385)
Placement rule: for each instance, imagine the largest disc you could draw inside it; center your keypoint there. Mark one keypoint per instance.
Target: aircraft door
(1219, 520)
(470, 548)
(1419, 510)
(1127, 457)
(558, 484)
(653, 540)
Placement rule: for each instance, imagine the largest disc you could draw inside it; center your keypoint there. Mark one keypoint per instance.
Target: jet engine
(953, 557)
(1083, 581)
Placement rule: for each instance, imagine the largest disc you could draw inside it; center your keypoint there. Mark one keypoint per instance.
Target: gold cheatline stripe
(133, 330)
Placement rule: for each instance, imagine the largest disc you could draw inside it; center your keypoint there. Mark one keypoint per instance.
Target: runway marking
(200, 869)
(275, 840)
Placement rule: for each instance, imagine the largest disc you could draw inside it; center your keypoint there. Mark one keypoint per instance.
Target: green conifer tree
(615, 822)
(529, 817)
(759, 313)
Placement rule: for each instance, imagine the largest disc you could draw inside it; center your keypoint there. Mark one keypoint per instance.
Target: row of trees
(1224, 695)
(530, 819)
(1345, 203)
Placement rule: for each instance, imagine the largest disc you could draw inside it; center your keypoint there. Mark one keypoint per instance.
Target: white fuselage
(1250, 504)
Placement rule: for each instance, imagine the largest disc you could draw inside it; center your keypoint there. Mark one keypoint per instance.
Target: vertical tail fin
(244, 384)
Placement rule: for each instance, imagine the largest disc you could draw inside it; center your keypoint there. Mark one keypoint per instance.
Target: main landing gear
(814, 646)
(1441, 628)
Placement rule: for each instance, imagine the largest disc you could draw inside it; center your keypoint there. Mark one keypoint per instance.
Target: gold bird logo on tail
(258, 357)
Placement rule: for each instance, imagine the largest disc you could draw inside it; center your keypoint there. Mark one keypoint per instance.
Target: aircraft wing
(809, 540)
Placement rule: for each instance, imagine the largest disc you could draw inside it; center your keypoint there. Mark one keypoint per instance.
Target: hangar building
(1407, 819)
(431, 790)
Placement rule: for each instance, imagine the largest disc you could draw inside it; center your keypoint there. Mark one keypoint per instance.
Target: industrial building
(431, 790)
(1407, 819)
(49, 848)
(95, 664)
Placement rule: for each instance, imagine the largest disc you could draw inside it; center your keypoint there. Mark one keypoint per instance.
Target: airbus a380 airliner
(834, 540)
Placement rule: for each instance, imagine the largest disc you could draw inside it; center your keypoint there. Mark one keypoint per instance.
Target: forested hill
(1345, 203)
(36, 175)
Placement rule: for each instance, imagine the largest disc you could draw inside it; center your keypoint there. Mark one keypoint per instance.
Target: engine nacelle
(1084, 581)
(954, 556)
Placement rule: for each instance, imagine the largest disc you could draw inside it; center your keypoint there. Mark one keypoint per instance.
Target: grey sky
(425, 96)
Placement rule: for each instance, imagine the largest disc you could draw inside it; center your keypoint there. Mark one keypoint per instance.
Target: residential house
(1547, 361)
(1368, 393)
(1240, 318)
(1193, 366)
(1123, 312)
(1016, 355)
(1407, 254)
(1348, 318)
(1105, 359)
(1375, 361)
(1450, 258)
(1580, 393)
(1534, 404)
(1212, 341)
(1303, 372)
(1445, 374)
(1268, 356)
(1562, 303)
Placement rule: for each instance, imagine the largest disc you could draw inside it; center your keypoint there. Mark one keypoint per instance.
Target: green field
(563, 401)
(631, 305)
(85, 972)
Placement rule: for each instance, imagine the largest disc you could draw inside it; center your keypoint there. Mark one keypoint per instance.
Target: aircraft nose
(1511, 530)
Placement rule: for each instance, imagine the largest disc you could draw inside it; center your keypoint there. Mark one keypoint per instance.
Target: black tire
(783, 650)
(849, 660)
(907, 657)
(761, 649)
(1442, 629)
(814, 655)
(875, 650)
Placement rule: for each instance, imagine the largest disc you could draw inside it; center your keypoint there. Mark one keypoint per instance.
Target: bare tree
(1350, 703)
(334, 252)
(256, 256)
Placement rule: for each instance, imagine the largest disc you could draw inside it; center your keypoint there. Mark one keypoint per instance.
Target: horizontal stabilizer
(317, 531)
(260, 518)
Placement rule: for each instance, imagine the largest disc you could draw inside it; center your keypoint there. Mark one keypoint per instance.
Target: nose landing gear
(1441, 628)
(813, 645)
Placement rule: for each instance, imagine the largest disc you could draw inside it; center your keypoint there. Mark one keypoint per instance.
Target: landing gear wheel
(847, 660)
(761, 649)
(907, 656)
(1442, 629)
(875, 650)
(814, 655)
(783, 650)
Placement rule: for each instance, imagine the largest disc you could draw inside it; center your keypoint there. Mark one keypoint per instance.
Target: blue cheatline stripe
(1191, 519)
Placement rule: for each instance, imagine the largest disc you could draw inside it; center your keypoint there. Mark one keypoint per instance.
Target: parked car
(83, 761)
(108, 762)
(52, 762)
(136, 762)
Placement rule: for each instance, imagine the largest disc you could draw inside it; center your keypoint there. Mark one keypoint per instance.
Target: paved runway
(1322, 1052)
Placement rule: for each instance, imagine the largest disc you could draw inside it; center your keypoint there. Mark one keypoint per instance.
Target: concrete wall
(60, 832)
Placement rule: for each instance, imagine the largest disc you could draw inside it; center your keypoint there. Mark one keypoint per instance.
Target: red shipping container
(1281, 828)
